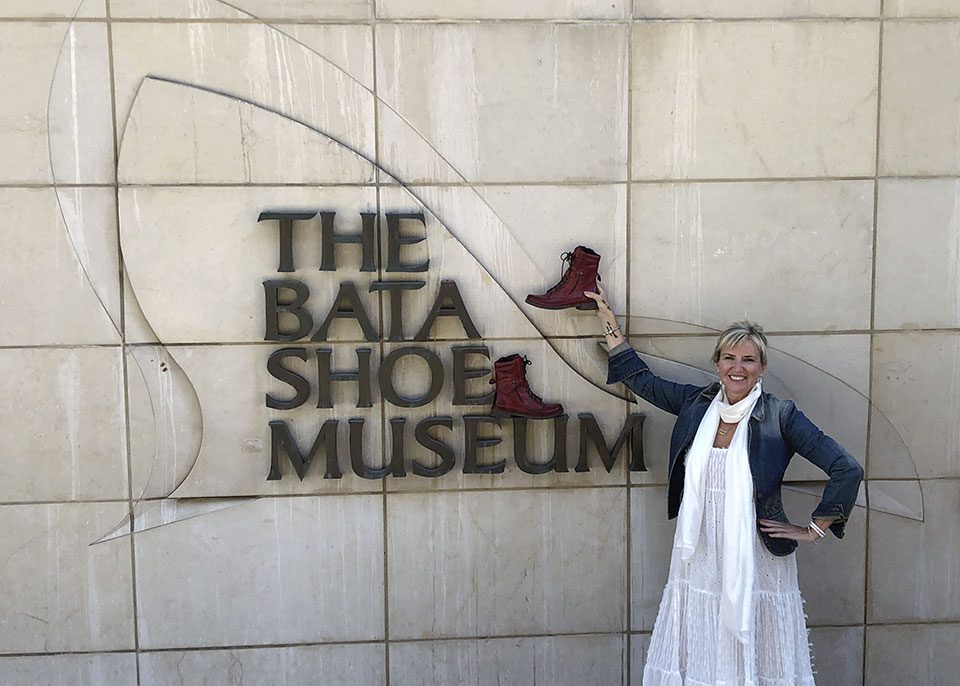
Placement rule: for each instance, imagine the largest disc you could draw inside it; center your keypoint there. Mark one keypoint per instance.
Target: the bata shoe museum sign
(304, 364)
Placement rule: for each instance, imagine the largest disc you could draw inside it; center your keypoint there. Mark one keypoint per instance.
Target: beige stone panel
(503, 101)
(178, 135)
(276, 570)
(69, 670)
(639, 644)
(136, 328)
(834, 597)
(49, 261)
(205, 246)
(255, 62)
(918, 249)
(226, 450)
(795, 256)
(362, 665)
(919, 130)
(913, 654)
(501, 244)
(922, 8)
(52, 8)
(911, 436)
(549, 377)
(486, 564)
(241, 9)
(77, 133)
(63, 409)
(61, 593)
(913, 564)
(753, 99)
(503, 9)
(537, 661)
(748, 9)
(651, 544)
(838, 655)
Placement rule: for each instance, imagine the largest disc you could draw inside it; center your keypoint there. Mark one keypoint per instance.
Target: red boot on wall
(512, 396)
(580, 276)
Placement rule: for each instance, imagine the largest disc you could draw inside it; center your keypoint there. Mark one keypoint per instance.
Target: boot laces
(524, 385)
(566, 257)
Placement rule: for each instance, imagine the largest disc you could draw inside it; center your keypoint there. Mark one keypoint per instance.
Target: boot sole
(591, 305)
(500, 414)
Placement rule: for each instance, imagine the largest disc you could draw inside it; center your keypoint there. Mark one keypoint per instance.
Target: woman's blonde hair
(738, 332)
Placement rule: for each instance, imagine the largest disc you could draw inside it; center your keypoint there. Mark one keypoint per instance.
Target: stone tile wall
(794, 162)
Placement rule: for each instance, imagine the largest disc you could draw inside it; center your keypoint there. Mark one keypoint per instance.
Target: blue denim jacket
(777, 430)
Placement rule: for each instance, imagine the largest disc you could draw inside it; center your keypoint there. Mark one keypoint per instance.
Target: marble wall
(793, 161)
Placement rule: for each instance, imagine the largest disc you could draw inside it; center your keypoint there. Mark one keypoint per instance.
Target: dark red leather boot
(512, 396)
(580, 276)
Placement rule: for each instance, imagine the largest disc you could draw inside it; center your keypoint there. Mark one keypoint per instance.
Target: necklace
(722, 432)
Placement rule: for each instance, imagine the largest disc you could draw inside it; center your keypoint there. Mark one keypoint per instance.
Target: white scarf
(736, 606)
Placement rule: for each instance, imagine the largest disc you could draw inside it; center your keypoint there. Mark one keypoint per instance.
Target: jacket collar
(759, 410)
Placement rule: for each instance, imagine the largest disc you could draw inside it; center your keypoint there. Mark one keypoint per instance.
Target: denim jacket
(777, 430)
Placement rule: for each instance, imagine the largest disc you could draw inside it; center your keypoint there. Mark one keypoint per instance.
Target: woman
(731, 611)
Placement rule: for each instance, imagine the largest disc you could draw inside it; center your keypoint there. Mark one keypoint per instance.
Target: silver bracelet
(610, 330)
(816, 529)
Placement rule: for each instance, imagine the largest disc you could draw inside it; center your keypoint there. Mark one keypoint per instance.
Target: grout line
(628, 243)
(433, 21)
(124, 364)
(871, 360)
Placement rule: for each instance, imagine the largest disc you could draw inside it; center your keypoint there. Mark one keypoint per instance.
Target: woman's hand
(801, 534)
(612, 332)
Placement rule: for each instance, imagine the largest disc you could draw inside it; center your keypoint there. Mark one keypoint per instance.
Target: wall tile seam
(454, 21)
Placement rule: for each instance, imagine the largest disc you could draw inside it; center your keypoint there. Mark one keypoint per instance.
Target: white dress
(690, 648)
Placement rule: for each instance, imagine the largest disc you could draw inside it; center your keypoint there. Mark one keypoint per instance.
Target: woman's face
(739, 367)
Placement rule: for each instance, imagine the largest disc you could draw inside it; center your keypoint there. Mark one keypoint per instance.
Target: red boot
(580, 276)
(513, 397)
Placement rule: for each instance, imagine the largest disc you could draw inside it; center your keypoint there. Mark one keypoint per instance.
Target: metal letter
(325, 376)
(395, 240)
(456, 308)
(557, 462)
(444, 451)
(471, 442)
(285, 221)
(274, 308)
(360, 468)
(281, 373)
(281, 440)
(347, 306)
(396, 289)
(390, 394)
(329, 239)
(461, 374)
(632, 429)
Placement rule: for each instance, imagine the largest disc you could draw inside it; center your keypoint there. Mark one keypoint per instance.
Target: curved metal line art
(471, 186)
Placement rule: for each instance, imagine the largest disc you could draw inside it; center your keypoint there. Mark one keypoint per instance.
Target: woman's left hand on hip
(775, 529)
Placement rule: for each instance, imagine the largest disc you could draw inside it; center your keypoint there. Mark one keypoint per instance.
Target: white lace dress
(690, 648)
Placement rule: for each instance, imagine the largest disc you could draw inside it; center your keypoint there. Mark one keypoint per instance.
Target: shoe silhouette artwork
(512, 395)
(581, 275)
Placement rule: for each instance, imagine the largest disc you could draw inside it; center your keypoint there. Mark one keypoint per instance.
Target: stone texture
(69, 670)
(59, 287)
(502, 9)
(838, 656)
(910, 435)
(62, 109)
(926, 588)
(62, 593)
(947, 9)
(242, 9)
(553, 660)
(918, 115)
(318, 560)
(482, 564)
(709, 254)
(362, 665)
(753, 99)
(918, 248)
(53, 8)
(63, 409)
(651, 542)
(912, 655)
(727, 9)
(470, 113)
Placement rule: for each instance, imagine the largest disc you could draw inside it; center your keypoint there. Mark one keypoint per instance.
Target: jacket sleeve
(626, 366)
(840, 493)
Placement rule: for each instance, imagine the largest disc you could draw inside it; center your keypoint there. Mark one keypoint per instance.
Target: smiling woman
(731, 611)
